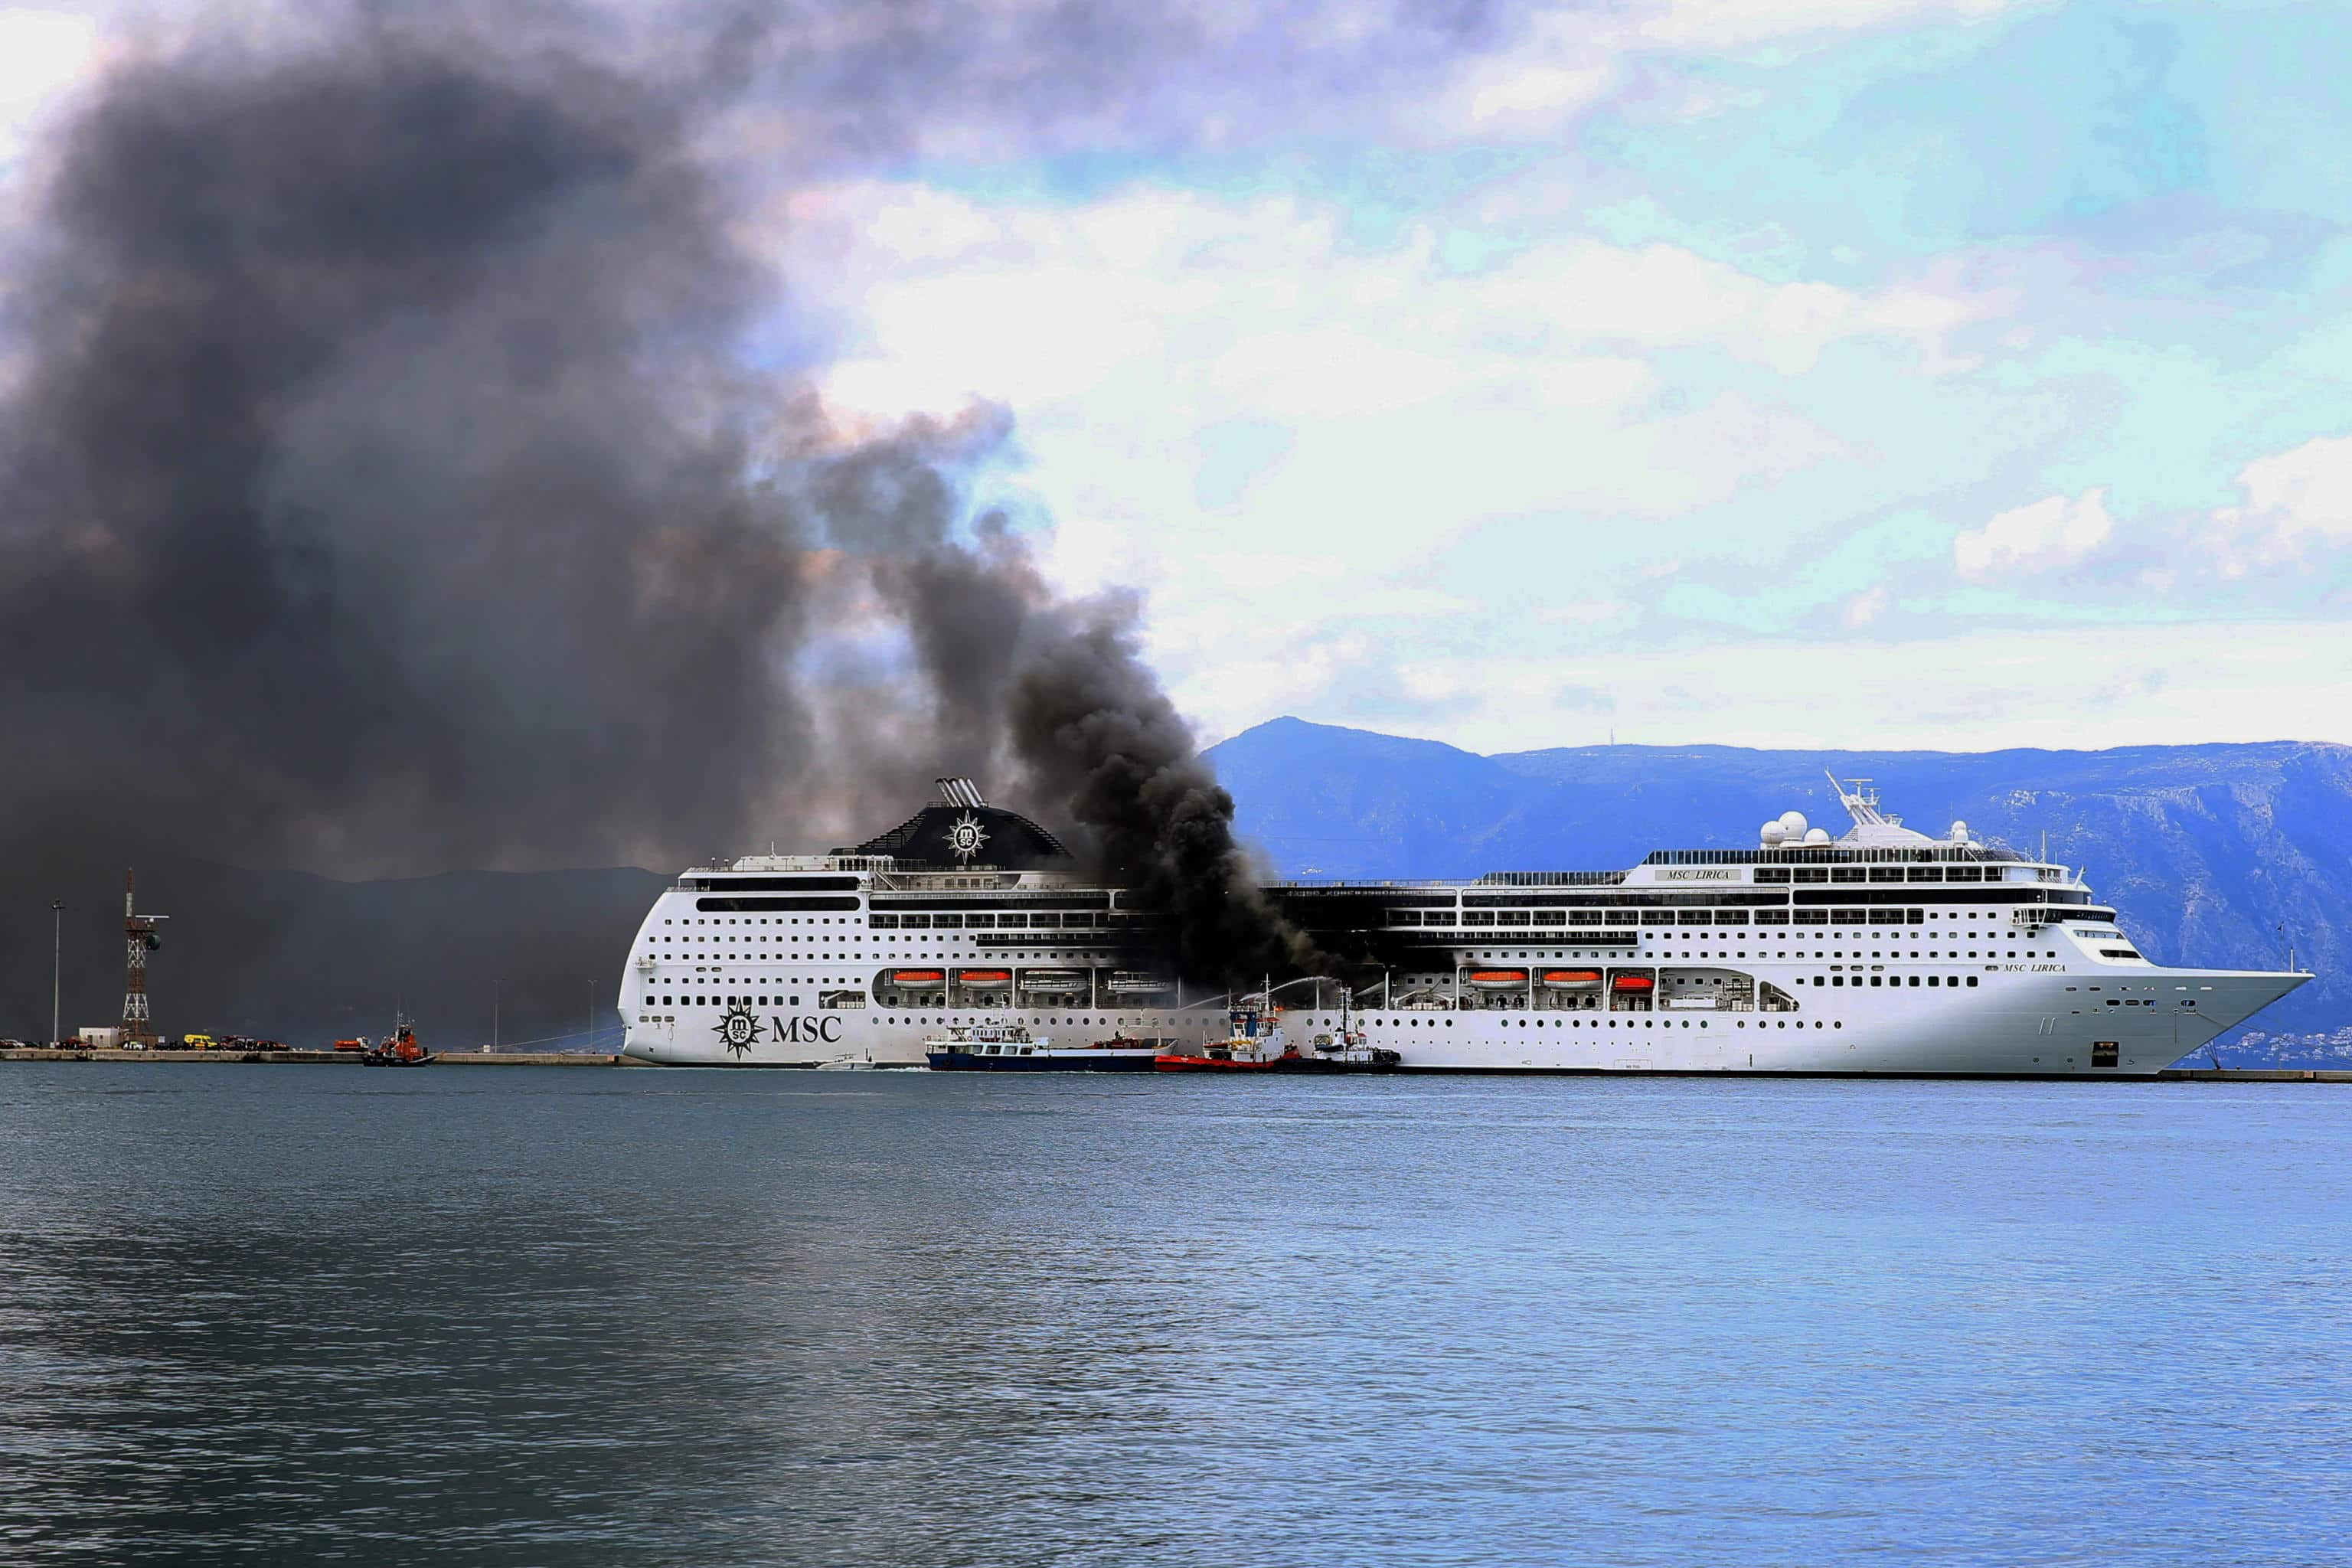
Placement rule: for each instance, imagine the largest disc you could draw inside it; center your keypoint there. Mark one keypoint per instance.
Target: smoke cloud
(410, 466)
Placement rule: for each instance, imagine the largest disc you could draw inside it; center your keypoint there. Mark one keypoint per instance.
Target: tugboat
(398, 1049)
(1348, 1049)
(1257, 1044)
(1009, 1047)
(1253, 1043)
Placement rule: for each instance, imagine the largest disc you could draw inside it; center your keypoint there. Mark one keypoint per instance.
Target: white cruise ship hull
(1886, 954)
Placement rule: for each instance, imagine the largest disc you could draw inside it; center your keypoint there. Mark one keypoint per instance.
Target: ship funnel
(961, 791)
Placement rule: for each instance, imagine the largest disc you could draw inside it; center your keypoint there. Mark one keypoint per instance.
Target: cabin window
(1809, 873)
(1478, 918)
(1846, 874)
(1551, 918)
(1404, 917)
(1972, 980)
(1514, 918)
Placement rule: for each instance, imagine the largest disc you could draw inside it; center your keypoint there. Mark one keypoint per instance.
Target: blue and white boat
(1010, 1047)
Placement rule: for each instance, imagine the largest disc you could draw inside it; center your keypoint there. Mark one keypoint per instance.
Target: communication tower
(140, 931)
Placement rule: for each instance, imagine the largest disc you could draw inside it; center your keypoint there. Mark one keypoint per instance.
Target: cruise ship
(1882, 952)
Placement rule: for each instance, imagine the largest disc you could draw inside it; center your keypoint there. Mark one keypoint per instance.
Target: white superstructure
(1883, 951)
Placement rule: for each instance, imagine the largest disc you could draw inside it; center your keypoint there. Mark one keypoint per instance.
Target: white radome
(1792, 823)
(1817, 836)
(1773, 833)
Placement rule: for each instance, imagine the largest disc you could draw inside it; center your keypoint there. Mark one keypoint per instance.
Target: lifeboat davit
(1499, 979)
(1572, 979)
(1635, 982)
(1054, 979)
(918, 979)
(985, 979)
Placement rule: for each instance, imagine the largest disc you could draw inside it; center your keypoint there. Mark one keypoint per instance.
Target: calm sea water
(516, 1316)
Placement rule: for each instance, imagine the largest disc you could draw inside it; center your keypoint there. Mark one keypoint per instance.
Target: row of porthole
(1653, 1023)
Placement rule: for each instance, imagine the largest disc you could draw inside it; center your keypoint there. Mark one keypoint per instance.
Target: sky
(1952, 374)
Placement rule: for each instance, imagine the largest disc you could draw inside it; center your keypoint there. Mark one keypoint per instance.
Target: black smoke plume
(390, 489)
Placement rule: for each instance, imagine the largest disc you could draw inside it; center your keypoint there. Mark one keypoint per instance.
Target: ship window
(1972, 980)
(1934, 980)
(1846, 874)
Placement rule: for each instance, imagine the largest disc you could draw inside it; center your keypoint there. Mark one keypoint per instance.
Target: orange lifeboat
(1635, 982)
(985, 979)
(917, 979)
(1499, 979)
(1572, 979)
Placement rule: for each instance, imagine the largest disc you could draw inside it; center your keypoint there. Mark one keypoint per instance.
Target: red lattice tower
(140, 932)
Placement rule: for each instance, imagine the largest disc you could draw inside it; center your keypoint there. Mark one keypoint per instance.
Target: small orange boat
(400, 1048)
(1635, 983)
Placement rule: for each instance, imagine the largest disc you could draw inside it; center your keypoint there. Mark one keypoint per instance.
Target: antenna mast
(140, 932)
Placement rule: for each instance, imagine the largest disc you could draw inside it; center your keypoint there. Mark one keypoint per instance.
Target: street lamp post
(591, 1041)
(56, 961)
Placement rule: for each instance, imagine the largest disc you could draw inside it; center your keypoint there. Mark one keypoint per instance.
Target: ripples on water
(507, 1316)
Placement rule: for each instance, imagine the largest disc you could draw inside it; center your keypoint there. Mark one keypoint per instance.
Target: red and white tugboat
(399, 1048)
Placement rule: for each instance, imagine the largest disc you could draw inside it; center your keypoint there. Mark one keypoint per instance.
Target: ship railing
(2052, 914)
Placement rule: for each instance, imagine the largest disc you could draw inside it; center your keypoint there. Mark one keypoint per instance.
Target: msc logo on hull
(808, 1029)
(739, 1030)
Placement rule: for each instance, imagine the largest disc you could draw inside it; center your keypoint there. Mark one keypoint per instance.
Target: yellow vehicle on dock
(197, 1042)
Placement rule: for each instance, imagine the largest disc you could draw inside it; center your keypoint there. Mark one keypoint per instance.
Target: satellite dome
(1773, 833)
(1817, 836)
(1960, 833)
(1792, 823)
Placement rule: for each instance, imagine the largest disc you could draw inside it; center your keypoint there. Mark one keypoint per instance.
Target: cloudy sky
(1861, 373)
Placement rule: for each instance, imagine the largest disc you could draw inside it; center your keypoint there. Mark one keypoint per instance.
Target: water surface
(536, 1316)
